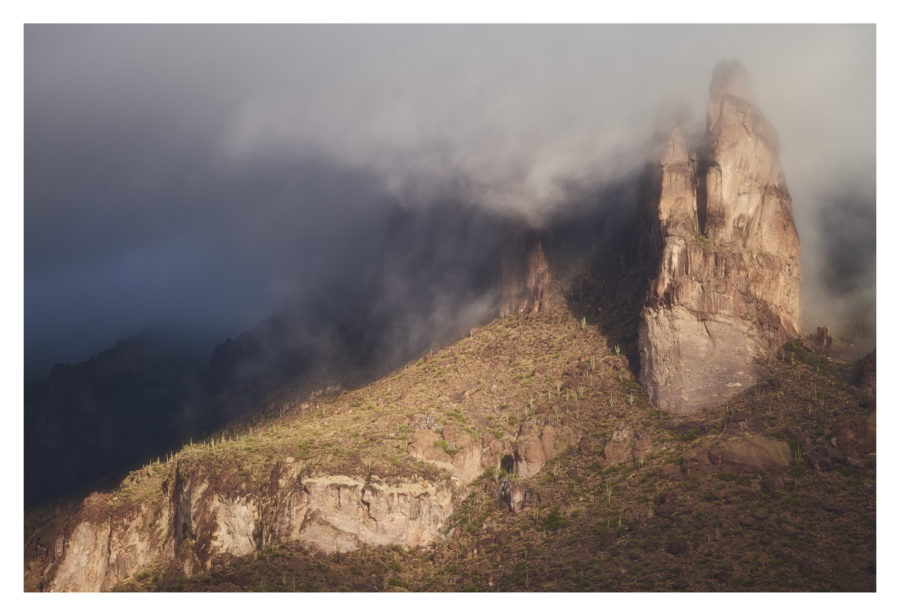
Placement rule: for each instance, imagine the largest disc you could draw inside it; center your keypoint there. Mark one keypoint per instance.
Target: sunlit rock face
(725, 275)
(203, 514)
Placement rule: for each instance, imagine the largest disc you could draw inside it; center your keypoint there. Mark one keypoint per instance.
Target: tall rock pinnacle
(725, 275)
(525, 275)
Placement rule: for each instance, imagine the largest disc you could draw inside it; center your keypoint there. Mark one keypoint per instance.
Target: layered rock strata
(198, 513)
(202, 515)
(725, 256)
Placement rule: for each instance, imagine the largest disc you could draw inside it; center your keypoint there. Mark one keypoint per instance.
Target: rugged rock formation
(465, 459)
(202, 514)
(454, 451)
(534, 446)
(187, 514)
(524, 276)
(822, 340)
(724, 254)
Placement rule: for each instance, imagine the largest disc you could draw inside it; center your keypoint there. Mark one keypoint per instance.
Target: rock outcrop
(724, 256)
(454, 451)
(744, 453)
(626, 446)
(534, 446)
(524, 276)
(188, 514)
(517, 497)
(201, 515)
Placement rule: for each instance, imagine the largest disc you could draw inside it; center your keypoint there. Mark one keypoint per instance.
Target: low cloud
(208, 175)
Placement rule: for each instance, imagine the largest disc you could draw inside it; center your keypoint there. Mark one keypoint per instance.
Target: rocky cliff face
(525, 276)
(189, 513)
(725, 273)
(201, 514)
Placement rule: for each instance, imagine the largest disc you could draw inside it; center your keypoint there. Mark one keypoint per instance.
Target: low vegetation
(639, 525)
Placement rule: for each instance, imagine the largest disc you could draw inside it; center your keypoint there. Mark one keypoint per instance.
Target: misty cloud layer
(203, 177)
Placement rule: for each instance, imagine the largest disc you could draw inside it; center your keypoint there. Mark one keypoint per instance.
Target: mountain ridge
(653, 353)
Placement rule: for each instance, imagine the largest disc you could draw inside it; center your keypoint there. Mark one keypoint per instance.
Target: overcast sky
(204, 176)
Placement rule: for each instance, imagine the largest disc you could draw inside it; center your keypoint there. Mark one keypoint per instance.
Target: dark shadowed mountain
(438, 275)
(88, 421)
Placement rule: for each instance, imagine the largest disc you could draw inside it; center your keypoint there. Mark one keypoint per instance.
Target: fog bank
(205, 176)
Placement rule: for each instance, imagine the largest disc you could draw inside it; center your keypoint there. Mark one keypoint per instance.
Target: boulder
(549, 441)
(529, 453)
(620, 448)
(534, 446)
(423, 446)
(745, 453)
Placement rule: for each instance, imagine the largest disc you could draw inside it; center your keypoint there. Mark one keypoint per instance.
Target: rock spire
(725, 256)
(525, 275)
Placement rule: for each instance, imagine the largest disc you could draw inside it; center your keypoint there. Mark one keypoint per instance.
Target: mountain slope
(585, 485)
(434, 278)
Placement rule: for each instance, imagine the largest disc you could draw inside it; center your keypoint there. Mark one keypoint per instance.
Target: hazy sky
(206, 175)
